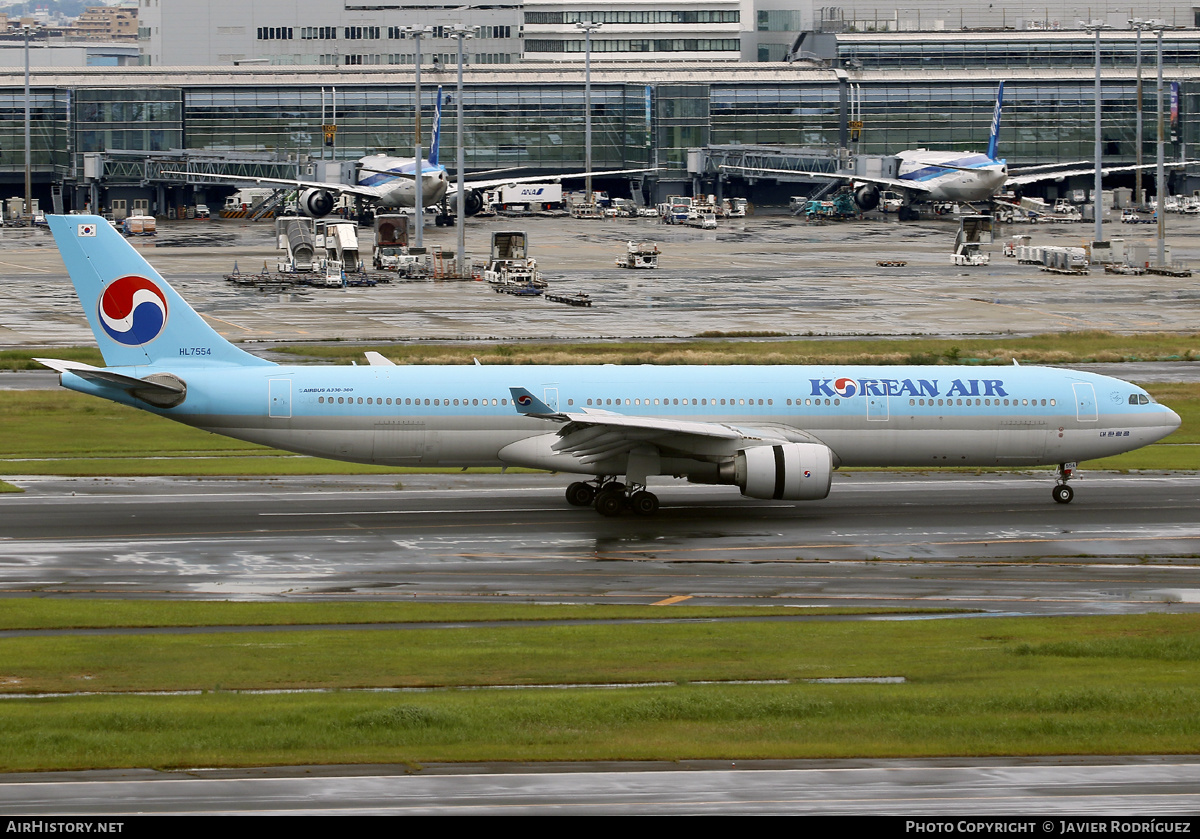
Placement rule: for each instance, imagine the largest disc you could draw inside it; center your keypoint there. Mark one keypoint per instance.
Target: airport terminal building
(101, 132)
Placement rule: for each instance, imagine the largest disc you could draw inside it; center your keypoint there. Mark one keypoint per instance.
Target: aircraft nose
(1171, 420)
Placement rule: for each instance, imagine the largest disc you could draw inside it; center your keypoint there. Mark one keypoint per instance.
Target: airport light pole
(460, 32)
(1098, 197)
(28, 172)
(416, 32)
(1160, 171)
(588, 28)
(1139, 25)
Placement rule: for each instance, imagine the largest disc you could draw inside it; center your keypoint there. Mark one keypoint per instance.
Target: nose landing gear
(1063, 493)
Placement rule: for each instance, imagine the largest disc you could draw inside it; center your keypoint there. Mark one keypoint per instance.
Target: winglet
(379, 360)
(526, 403)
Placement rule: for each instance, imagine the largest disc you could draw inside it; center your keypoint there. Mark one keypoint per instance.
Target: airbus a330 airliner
(774, 432)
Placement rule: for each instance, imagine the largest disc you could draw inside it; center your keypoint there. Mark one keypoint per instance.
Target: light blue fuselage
(867, 416)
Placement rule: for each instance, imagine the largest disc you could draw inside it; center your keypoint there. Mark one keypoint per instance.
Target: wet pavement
(1126, 545)
(766, 273)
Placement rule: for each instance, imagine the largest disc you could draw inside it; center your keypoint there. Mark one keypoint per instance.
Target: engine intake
(316, 203)
(867, 197)
(472, 202)
(784, 472)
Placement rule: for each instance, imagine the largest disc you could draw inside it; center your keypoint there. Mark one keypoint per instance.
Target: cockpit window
(1139, 399)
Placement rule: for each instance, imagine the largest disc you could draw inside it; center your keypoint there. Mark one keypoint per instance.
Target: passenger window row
(371, 400)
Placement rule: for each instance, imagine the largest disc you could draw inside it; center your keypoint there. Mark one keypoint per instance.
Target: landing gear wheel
(644, 503)
(1063, 494)
(610, 503)
(580, 494)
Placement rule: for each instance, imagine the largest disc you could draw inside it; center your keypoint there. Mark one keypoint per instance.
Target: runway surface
(1030, 788)
(997, 542)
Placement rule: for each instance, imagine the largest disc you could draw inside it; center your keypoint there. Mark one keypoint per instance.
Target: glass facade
(537, 122)
(49, 131)
(789, 115)
(1043, 122)
(504, 126)
(1065, 49)
(681, 122)
(633, 45)
(127, 119)
(542, 126)
(635, 17)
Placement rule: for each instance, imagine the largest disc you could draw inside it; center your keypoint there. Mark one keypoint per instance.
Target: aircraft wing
(591, 436)
(889, 183)
(541, 179)
(1022, 179)
(335, 189)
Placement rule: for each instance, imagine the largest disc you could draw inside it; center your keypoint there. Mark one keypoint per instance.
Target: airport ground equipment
(639, 255)
(297, 244)
(509, 265)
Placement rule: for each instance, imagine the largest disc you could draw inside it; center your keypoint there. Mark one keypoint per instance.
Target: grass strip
(1056, 348)
(23, 359)
(51, 613)
(719, 348)
(1012, 686)
(67, 433)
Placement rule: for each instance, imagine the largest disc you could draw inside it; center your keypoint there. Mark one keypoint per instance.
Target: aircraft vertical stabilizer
(137, 318)
(994, 138)
(437, 130)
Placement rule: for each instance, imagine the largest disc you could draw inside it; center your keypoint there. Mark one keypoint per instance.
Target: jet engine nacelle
(867, 197)
(472, 202)
(316, 203)
(785, 472)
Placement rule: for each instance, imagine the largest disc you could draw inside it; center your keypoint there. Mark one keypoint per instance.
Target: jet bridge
(783, 165)
(168, 178)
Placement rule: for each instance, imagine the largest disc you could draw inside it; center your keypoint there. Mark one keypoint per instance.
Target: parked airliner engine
(787, 471)
(472, 202)
(867, 197)
(316, 203)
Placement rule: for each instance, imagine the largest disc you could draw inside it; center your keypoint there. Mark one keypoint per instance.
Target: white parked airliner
(772, 431)
(943, 177)
(389, 183)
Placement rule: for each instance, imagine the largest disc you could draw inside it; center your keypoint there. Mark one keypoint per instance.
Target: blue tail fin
(994, 139)
(437, 130)
(137, 318)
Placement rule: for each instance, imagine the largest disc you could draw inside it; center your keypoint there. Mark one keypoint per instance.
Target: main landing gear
(444, 217)
(1063, 493)
(611, 497)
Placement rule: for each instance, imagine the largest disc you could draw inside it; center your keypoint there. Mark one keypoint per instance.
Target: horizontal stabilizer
(101, 376)
(378, 360)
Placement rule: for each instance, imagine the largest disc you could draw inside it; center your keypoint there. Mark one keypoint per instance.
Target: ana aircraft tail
(994, 138)
(138, 319)
(437, 130)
